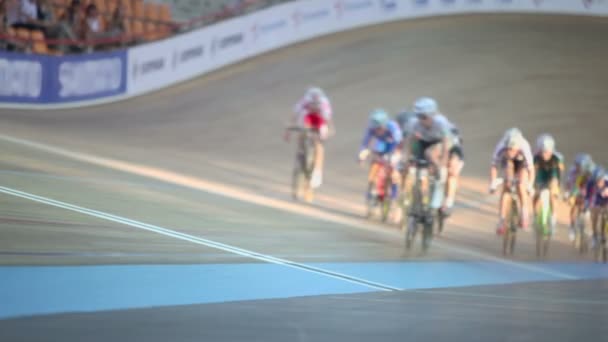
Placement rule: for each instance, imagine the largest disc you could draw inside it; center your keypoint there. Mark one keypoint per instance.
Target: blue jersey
(384, 143)
(595, 195)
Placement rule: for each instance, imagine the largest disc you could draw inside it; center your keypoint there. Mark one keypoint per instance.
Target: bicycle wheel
(582, 239)
(405, 203)
(371, 201)
(427, 234)
(386, 201)
(604, 231)
(410, 232)
(439, 219)
(298, 176)
(510, 235)
(541, 223)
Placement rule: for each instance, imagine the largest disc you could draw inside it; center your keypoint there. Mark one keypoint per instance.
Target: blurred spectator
(28, 16)
(70, 24)
(46, 16)
(46, 19)
(11, 8)
(92, 26)
(3, 26)
(117, 25)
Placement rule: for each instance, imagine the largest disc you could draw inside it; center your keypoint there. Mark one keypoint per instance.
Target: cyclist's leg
(371, 176)
(455, 165)
(522, 189)
(318, 124)
(504, 205)
(431, 154)
(320, 153)
(595, 215)
(555, 190)
(394, 174)
(540, 183)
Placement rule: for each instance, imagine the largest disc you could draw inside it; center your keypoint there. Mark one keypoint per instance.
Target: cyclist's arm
(493, 175)
(366, 139)
(494, 163)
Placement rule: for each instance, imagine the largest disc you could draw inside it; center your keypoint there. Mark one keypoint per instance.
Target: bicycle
(581, 240)
(542, 223)
(379, 193)
(304, 164)
(513, 218)
(419, 212)
(602, 248)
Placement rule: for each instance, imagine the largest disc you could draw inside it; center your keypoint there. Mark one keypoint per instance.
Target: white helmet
(545, 143)
(425, 105)
(512, 133)
(515, 142)
(315, 93)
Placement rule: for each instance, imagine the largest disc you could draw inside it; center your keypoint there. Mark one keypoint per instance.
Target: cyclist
(597, 190)
(314, 111)
(514, 157)
(383, 137)
(549, 166)
(578, 178)
(429, 140)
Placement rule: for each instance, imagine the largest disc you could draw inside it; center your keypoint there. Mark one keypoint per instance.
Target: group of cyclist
(424, 133)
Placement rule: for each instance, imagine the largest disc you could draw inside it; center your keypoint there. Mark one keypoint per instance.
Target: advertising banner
(23, 78)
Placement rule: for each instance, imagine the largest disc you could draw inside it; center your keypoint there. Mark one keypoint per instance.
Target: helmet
(425, 105)
(583, 160)
(590, 167)
(545, 143)
(512, 132)
(315, 93)
(599, 173)
(379, 118)
(515, 142)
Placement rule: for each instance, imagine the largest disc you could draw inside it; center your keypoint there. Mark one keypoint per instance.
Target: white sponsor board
(20, 78)
(237, 39)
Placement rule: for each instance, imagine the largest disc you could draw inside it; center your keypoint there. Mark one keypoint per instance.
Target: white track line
(199, 240)
(238, 194)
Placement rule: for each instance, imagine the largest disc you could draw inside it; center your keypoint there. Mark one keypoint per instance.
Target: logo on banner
(148, 67)
(475, 1)
(258, 29)
(302, 17)
(537, 3)
(448, 2)
(90, 77)
(226, 42)
(587, 3)
(187, 55)
(190, 54)
(388, 5)
(343, 6)
(20, 78)
(421, 3)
